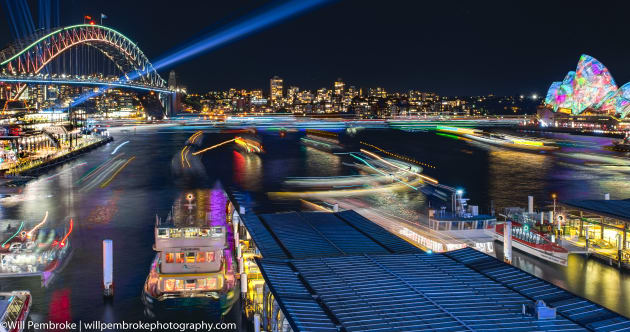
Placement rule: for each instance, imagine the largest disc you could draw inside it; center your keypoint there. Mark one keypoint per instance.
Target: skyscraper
(338, 87)
(275, 89)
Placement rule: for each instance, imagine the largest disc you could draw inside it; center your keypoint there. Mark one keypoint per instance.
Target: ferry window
(201, 283)
(190, 232)
(162, 232)
(170, 257)
(212, 282)
(190, 257)
(190, 283)
(204, 232)
(175, 233)
(180, 257)
(179, 284)
(169, 285)
(217, 231)
(201, 257)
(210, 256)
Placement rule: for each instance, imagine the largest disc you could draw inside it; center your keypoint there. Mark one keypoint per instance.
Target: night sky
(448, 47)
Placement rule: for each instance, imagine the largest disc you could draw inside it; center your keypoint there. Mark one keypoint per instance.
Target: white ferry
(194, 268)
(533, 243)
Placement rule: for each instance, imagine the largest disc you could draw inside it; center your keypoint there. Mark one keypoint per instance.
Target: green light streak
(447, 135)
(14, 235)
(372, 167)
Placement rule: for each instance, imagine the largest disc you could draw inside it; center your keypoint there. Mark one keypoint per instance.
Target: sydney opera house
(587, 97)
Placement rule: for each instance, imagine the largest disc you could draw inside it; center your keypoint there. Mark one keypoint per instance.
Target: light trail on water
(118, 147)
(374, 168)
(66, 171)
(97, 169)
(30, 233)
(106, 183)
(212, 147)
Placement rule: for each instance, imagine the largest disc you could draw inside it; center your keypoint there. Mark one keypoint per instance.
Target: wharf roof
(617, 209)
(320, 234)
(464, 290)
(342, 272)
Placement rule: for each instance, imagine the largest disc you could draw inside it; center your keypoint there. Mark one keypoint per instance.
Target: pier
(35, 167)
(598, 228)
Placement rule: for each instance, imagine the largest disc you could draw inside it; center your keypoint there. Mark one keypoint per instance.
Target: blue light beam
(248, 25)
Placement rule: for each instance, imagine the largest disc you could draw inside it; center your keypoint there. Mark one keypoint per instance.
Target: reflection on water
(588, 278)
(321, 163)
(248, 171)
(513, 175)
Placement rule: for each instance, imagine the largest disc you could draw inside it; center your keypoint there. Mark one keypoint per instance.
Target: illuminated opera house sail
(590, 89)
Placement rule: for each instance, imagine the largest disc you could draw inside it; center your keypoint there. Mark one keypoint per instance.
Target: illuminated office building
(275, 89)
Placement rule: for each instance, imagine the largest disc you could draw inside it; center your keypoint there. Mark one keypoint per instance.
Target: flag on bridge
(103, 16)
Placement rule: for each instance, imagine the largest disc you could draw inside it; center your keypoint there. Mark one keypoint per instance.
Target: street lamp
(553, 222)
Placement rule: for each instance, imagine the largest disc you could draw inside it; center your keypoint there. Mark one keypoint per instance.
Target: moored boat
(38, 251)
(533, 242)
(14, 309)
(194, 268)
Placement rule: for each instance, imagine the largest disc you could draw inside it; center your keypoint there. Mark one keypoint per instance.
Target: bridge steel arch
(31, 55)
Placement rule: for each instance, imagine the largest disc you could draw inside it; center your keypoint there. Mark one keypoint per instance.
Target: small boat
(14, 309)
(35, 251)
(533, 242)
(623, 145)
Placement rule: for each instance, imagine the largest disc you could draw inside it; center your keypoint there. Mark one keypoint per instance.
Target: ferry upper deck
(197, 218)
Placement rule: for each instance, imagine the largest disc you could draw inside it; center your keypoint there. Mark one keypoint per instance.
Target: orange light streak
(106, 183)
(212, 147)
(63, 241)
(30, 233)
(424, 177)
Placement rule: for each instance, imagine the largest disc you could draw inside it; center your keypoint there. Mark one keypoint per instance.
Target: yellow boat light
(525, 142)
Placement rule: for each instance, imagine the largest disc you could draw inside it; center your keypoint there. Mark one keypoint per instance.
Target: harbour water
(124, 209)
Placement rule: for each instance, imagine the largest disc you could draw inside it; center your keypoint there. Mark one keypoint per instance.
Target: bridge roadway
(80, 81)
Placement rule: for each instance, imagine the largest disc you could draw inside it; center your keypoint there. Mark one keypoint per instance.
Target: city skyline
(451, 48)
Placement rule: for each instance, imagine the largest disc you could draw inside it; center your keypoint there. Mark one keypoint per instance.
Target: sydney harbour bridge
(88, 55)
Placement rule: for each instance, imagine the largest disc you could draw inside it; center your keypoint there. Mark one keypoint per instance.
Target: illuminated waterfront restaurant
(604, 222)
(319, 271)
(587, 98)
